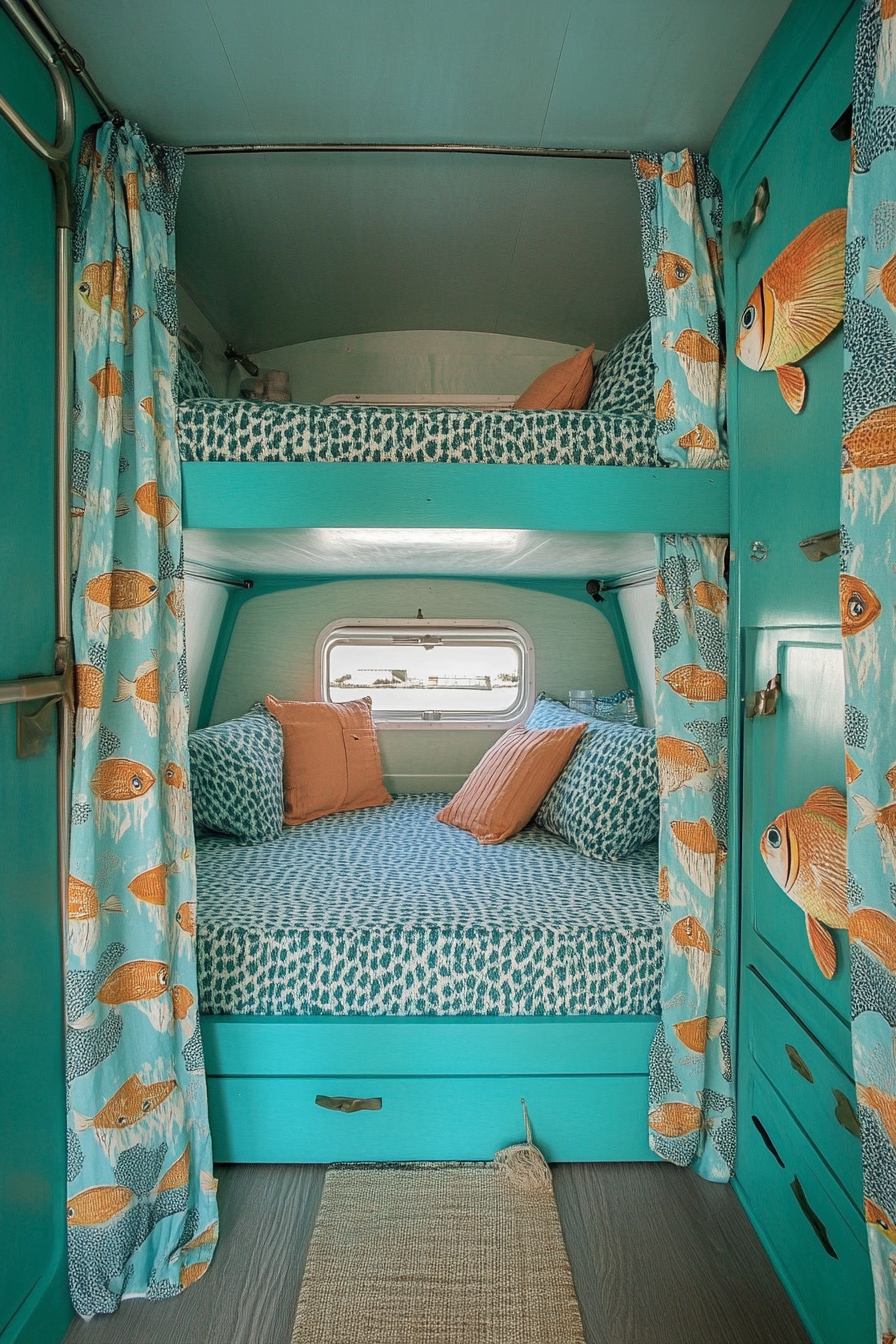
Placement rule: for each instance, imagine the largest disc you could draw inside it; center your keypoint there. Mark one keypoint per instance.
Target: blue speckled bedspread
(387, 911)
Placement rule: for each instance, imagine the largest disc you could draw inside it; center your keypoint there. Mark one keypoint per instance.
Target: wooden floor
(656, 1253)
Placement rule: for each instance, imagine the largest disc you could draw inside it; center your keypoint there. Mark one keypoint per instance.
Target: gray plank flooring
(656, 1253)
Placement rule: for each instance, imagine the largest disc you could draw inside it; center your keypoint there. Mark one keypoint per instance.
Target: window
(450, 673)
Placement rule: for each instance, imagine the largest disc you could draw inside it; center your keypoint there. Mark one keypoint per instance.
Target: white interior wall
(205, 603)
(272, 651)
(637, 606)
(413, 362)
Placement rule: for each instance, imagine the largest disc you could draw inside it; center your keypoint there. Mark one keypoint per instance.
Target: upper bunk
(262, 464)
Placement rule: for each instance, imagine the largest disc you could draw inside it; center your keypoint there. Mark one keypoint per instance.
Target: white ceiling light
(461, 537)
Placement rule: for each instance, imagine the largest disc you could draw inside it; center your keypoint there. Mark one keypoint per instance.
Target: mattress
(243, 431)
(387, 911)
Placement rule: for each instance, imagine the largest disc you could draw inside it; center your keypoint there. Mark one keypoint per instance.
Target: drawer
(575, 1119)
(819, 1094)
(815, 1238)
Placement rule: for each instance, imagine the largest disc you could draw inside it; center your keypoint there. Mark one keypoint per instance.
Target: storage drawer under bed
(587, 1118)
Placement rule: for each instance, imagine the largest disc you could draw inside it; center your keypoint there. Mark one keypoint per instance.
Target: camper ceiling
(282, 249)
(458, 552)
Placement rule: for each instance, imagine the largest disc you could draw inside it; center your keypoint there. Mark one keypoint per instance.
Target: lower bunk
(378, 986)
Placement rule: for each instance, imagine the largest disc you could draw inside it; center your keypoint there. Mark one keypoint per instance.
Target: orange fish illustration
(877, 931)
(97, 1205)
(665, 401)
(715, 255)
(146, 404)
(852, 770)
(151, 886)
(680, 177)
(118, 780)
(178, 1174)
(131, 191)
(183, 1001)
(701, 444)
(88, 686)
(890, 777)
(805, 851)
(697, 1031)
(689, 932)
(175, 776)
(682, 763)
(882, 1102)
(107, 381)
(186, 918)
(711, 597)
(663, 887)
(133, 1101)
(96, 284)
(118, 590)
(133, 981)
(876, 1217)
(796, 304)
(884, 279)
(673, 270)
(884, 818)
(648, 168)
(694, 683)
(206, 1238)
(872, 443)
(174, 601)
(143, 690)
(160, 507)
(674, 1119)
(697, 848)
(859, 605)
(190, 1273)
(84, 902)
(700, 359)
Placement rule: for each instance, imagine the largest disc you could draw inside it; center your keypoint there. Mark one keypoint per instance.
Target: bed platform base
(449, 1087)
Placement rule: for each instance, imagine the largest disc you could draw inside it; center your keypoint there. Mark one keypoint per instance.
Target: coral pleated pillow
(505, 790)
(562, 387)
(331, 758)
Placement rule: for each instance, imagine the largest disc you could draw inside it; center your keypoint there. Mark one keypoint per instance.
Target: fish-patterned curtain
(867, 601)
(142, 1218)
(681, 245)
(691, 1096)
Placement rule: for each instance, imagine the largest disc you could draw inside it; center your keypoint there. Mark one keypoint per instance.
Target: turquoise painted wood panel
(813, 1235)
(786, 757)
(423, 494)
(817, 1091)
(583, 1119)
(426, 1045)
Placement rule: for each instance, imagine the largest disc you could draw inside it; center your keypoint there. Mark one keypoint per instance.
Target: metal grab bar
(32, 688)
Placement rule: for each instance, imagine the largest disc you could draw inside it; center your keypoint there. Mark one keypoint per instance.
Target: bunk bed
(294, 1078)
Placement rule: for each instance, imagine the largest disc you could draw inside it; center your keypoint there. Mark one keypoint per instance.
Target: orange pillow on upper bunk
(562, 387)
(331, 758)
(507, 787)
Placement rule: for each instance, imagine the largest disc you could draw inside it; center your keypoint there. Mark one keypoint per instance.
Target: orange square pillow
(331, 758)
(506, 789)
(562, 387)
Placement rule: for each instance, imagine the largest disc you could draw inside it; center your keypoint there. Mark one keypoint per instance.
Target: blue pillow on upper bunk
(623, 380)
(236, 777)
(606, 800)
(191, 381)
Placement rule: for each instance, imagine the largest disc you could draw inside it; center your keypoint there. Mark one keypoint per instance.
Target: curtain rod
(364, 147)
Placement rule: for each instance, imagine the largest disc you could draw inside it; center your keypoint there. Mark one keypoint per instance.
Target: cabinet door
(33, 1302)
(787, 756)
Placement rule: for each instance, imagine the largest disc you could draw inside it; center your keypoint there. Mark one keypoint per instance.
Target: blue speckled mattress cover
(245, 431)
(387, 911)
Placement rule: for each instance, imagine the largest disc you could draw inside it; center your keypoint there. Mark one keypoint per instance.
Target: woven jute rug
(435, 1255)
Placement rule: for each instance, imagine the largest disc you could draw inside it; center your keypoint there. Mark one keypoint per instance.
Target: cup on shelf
(581, 701)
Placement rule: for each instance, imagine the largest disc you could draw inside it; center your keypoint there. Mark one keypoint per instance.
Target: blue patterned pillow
(236, 776)
(606, 801)
(191, 381)
(623, 380)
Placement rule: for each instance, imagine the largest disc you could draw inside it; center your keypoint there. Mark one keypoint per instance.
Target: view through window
(428, 673)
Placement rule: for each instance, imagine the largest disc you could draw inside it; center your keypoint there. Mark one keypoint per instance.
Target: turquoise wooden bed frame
(434, 1088)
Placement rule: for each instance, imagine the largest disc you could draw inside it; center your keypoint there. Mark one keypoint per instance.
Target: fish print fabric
(385, 910)
(692, 1116)
(681, 233)
(246, 431)
(142, 1214)
(867, 598)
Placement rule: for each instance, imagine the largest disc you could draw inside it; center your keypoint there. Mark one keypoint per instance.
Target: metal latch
(821, 545)
(760, 703)
(742, 228)
(348, 1105)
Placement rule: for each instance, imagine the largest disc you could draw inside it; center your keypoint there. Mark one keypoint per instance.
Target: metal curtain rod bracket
(366, 147)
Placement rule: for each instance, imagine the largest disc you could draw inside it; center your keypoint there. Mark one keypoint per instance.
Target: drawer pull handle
(767, 1140)
(348, 1105)
(798, 1064)
(844, 1113)
(815, 1222)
